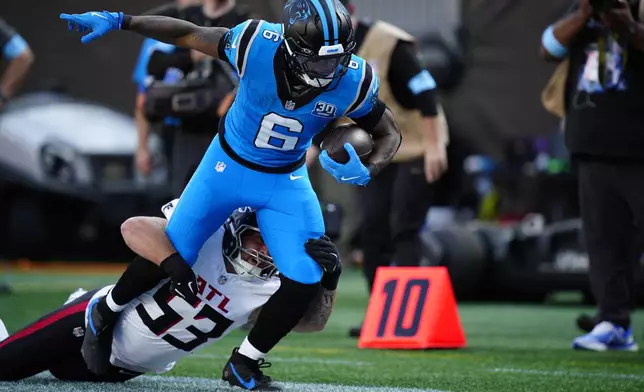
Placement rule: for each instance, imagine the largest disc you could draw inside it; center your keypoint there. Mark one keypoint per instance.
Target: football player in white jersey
(235, 277)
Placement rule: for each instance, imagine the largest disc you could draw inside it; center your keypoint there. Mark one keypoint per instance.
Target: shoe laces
(256, 369)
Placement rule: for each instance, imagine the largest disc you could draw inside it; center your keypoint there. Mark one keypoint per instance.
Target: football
(333, 143)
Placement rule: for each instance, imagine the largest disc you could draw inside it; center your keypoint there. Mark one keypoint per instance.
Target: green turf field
(511, 348)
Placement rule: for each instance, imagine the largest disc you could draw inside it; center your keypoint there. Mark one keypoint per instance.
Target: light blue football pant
(288, 211)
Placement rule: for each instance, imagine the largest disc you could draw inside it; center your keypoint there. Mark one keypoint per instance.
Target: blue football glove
(352, 172)
(99, 23)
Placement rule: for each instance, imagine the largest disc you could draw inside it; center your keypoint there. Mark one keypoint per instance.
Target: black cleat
(97, 343)
(241, 371)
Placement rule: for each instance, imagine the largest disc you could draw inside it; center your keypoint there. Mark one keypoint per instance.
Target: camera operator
(184, 93)
(603, 40)
(18, 59)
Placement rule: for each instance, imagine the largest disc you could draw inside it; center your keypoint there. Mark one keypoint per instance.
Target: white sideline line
(43, 383)
(292, 360)
(220, 386)
(567, 373)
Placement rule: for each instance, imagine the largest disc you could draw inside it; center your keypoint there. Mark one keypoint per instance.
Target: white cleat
(606, 336)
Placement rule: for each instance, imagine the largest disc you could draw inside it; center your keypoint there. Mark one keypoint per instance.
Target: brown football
(361, 141)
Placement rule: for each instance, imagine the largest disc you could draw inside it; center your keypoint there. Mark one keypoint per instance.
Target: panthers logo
(297, 10)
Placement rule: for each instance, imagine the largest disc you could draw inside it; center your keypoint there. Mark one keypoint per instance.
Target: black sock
(140, 276)
(281, 313)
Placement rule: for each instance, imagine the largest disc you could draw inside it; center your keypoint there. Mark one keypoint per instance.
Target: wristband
(330, 281)
(177, 268)
(550, 43)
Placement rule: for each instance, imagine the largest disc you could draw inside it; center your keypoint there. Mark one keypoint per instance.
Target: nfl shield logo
(222, 280)
(78, 332)
(290, 105)
(220, 167)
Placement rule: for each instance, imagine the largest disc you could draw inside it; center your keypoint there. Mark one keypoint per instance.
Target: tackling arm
(316, 317)
(177, 32)
(146, 237)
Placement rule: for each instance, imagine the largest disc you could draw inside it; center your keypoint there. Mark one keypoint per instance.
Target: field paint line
(45, 383)
(221, 386)
(570, 373)
(292, 360)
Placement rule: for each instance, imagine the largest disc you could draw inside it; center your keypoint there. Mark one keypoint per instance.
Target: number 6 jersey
(157, 329)
(266, 125)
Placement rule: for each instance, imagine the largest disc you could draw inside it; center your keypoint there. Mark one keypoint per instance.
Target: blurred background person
(182, 93)
(18, 58)
(394, 204)
(603, 45)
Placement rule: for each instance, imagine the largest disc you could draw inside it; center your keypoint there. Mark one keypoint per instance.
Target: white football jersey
(157, 329)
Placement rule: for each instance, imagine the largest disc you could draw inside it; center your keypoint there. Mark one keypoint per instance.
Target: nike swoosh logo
(248, 384)
(99, 15)
(293, 178)
(349, 178)
(235, 42)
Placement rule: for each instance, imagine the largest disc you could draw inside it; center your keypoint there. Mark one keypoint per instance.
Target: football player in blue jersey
(295, 78)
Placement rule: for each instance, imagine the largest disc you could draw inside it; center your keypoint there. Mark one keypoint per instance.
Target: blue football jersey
(265, 127)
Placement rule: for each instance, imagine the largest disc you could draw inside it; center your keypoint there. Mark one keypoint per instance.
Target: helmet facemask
(322, 70)
(249, 263)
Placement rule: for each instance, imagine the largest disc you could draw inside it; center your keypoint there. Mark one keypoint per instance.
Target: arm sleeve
(234, 46)
(413, 86)
(372, 118)
(367, 97)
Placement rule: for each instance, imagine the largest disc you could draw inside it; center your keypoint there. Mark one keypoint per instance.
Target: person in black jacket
(186, 139)
(604, 45)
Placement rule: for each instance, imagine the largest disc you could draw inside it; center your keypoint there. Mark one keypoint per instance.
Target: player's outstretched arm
(177, 32)
(162, 28)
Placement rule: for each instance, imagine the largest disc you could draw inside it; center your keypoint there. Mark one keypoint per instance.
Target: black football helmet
(318, 41)
(258, 264)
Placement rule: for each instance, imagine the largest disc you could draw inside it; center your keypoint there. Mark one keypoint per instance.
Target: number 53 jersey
(266, 125)
(157, 329)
